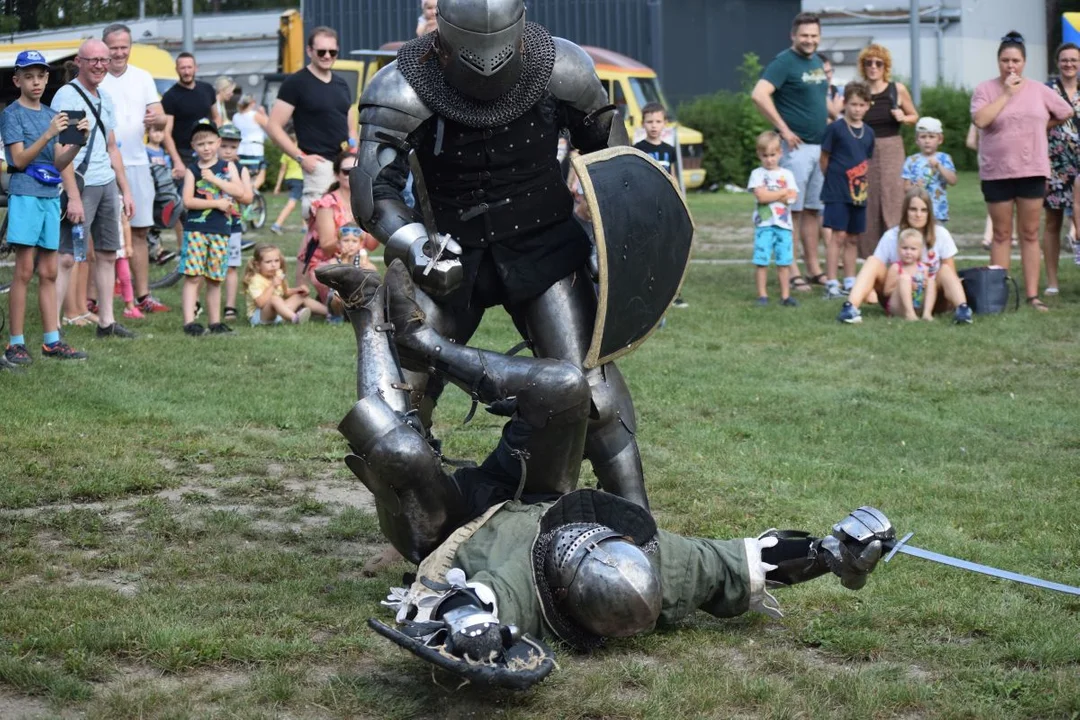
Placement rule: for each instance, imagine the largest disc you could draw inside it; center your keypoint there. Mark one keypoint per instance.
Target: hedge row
(730, 123)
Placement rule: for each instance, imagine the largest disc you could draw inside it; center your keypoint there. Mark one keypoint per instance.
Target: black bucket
(987, 289)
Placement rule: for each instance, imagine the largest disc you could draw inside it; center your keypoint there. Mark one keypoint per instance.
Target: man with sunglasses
(319, 104)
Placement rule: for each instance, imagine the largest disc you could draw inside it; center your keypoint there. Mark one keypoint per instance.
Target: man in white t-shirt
(138, 107)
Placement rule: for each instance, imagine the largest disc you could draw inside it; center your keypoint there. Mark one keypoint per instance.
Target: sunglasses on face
(874, 63)
(345, 169)
(351, 232)
(323, 52)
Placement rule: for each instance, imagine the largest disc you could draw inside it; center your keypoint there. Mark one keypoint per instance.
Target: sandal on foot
(84, 320)
(1037, 304)
(819, 279)
(799, 283)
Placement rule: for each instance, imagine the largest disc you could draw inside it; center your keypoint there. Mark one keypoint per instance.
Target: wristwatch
(300, 158)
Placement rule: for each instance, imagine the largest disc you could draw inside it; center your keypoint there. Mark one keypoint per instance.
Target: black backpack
(168, 203)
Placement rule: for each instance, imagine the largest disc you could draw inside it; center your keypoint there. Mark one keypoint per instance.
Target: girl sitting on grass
(909, 286)
(270, 299)
(351, 250)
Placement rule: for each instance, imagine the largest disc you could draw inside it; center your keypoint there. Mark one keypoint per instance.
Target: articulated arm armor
(574, 82)
(390, 111)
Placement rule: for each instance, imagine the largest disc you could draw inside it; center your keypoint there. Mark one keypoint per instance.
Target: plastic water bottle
(78, 242)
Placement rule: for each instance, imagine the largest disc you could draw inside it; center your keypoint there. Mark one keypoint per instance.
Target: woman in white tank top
(251, 121)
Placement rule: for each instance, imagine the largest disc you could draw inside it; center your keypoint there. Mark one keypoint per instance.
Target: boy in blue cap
(30, 129)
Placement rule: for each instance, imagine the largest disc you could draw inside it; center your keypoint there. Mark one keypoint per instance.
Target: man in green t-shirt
(792, 95)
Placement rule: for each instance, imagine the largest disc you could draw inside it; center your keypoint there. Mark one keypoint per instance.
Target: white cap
(928, 125)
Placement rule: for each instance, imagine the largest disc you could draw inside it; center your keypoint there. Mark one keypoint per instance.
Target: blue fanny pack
(44, 174)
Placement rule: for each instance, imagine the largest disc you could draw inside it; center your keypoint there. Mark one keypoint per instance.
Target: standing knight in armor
(509, 553)
(481, 104)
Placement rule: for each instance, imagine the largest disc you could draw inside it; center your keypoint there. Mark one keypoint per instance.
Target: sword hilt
(894, 547)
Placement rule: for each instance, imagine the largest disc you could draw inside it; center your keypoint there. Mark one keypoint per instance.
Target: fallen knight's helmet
(480, 45)
(602, 580)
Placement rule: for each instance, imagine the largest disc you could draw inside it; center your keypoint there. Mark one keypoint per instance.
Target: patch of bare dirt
(22, 707)
(334, 492)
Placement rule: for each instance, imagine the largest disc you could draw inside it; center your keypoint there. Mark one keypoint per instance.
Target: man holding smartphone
(105, 193)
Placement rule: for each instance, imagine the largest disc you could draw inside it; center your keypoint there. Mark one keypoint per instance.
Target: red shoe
(151, 305)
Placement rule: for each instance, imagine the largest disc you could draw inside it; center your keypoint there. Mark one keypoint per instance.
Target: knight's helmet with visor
(480, 45)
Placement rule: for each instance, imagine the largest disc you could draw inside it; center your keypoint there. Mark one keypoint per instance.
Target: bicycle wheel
(164, 274)
(7, 259)
(257, 211)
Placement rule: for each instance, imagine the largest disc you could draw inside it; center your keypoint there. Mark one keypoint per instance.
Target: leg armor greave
(549, 401)
(560, 324)
(611, 446)
(417, 503)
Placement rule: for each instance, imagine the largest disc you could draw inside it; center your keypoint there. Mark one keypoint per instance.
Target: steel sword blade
(424, 201)
(981, 569)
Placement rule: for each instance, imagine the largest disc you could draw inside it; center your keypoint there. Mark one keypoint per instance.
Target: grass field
(181, 539)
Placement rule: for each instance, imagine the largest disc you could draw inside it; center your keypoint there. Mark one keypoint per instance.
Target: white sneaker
(1050, 291)
(832, 292)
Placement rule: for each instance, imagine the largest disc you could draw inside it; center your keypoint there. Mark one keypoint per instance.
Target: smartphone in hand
(72, 135)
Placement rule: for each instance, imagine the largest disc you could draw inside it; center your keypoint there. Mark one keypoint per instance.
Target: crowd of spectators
(1026, 136)
(109, 193)
(834, 166)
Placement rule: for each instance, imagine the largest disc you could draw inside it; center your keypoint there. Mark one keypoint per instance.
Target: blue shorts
(805, 164)
(295, 188)
(850, 219)
(34, 221)
(254, 163)
(256, 319)
(770, 241)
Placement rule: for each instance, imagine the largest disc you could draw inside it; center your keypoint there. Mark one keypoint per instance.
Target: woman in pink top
(1014, 163)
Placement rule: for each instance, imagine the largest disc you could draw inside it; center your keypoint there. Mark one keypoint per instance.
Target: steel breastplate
(417, 61)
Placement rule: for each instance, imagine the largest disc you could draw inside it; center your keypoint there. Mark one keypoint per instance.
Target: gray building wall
(694, 45)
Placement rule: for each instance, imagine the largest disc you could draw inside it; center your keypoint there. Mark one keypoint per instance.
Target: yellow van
(154, 60)
(631, 86)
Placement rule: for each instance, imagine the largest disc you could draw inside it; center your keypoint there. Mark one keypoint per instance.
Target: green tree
(22, 15)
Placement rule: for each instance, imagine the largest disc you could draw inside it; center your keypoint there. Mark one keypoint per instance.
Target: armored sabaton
(482, 103)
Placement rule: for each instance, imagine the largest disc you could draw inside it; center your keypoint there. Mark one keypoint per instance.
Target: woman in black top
(890, 107)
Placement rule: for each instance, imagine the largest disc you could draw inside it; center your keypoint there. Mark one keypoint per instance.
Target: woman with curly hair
(1064, 143)
(891, 106)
